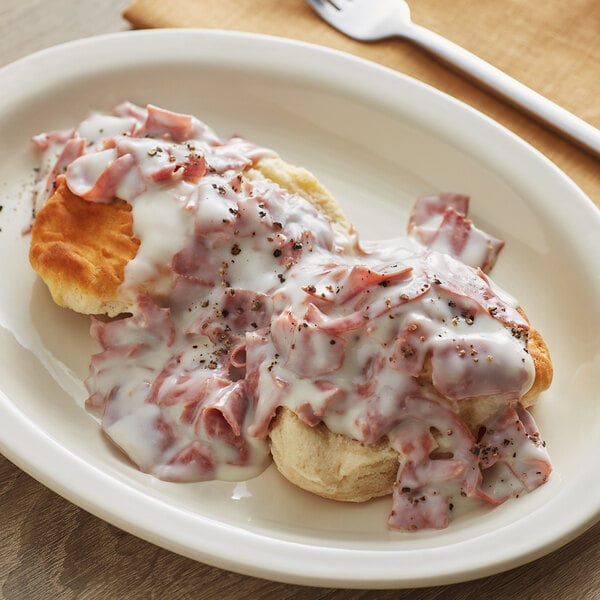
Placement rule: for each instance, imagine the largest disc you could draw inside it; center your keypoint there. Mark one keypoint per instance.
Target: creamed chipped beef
(246, 298)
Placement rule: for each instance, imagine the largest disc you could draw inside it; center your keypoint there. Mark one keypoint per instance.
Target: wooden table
(50, 548)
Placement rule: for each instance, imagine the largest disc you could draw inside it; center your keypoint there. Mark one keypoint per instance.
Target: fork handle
(548, 112)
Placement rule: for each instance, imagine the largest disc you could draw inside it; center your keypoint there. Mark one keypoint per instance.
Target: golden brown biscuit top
(80, 249)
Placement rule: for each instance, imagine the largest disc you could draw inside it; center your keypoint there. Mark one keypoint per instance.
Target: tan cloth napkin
(552, 46)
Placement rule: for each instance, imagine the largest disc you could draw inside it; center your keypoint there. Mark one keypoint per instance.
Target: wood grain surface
(50, 548)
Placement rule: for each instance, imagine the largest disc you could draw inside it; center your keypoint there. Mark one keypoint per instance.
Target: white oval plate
(376, 139)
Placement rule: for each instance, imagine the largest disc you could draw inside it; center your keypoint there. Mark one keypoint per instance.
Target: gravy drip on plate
(246, 298)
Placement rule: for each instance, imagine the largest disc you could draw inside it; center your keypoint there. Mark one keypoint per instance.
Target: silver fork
(369, 20)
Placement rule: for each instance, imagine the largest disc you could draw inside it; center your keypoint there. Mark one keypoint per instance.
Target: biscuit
(335, 466)
(340, 468)
(80, 249)
(329, 464)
